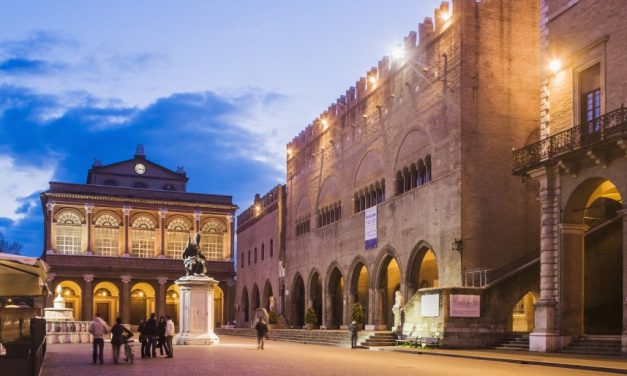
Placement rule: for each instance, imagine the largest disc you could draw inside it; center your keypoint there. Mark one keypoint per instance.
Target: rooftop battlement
(376, 77)
(260, 205)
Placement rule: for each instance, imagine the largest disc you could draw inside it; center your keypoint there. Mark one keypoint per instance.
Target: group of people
(152, 336)
(155, 335)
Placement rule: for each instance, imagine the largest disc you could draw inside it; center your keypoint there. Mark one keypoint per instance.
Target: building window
(143, 237)
(178, 235)
(263, 251)
(249, 257)
(414, 176)
(271, 247)
(255, 255)
(329, 214)
(69, 233)
(370, 196)
(242, 264)
(107, 235)
(139, 184)
(212, 240)
(302, 226)
(590, 94)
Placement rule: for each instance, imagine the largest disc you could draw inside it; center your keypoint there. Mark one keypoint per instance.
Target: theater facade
(114, 244)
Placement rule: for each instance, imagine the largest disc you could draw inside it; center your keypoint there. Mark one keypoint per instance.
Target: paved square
(239, 356)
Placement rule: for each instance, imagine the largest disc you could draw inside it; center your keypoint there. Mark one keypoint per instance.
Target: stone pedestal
(196, 311)
(544, 337)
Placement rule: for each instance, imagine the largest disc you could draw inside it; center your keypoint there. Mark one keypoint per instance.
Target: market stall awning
(22, 276)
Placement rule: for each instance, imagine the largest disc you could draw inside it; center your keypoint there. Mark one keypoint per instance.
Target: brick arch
(329, 191)
(410, 147)
(369, 168)
(382, 258)
(79, 213)
(100, 213)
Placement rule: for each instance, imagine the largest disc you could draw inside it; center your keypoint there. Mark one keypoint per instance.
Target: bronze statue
(193, 258)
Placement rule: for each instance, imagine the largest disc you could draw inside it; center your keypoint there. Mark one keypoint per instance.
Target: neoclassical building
(404, 185)
(580, 167)
(114, 244)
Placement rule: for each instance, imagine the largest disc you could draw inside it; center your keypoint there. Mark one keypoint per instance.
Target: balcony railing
(576, 138)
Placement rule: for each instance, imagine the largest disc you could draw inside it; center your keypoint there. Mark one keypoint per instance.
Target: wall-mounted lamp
(457, 245)
(555, 66)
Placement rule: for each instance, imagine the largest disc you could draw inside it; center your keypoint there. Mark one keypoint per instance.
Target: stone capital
(89, 208)
(229, 218)
(163, 212)
(197, 214)
(162, 280)
(126, 209)
(88, 277)
(50, 205)
(125, 278)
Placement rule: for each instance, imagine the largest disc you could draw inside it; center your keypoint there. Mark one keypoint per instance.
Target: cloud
(21, 66)
(36, 43)
(18, 184)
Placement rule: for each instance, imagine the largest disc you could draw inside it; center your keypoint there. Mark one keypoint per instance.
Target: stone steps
(380, 339)
(595, 345)
(339, 338)
(515, 342)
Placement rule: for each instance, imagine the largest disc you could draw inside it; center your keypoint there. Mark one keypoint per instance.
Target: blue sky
(217, 86)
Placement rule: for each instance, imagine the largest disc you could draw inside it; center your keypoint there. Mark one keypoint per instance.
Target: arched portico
(423, 269)
(298, 302)
(268, 296)
(335, 298)
(245, 308)
(388, 281)
(359, 286)
(315, 294)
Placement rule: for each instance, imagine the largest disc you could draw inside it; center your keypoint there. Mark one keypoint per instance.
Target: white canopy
(22, 276)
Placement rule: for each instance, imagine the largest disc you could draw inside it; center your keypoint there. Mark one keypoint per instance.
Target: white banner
(370, 219)
(430, 305)
(465, 306)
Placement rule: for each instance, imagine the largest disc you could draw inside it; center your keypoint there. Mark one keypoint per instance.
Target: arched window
(249, 257)
(107, 235)
(422, 171)
(143, 237)
(139, 184)
(263, 251)
(414, 176)
(178, 234)
(428, 167)
(400, 183)
(212, 240)
(242, 264)
(169, 187)
(69, 233)
(406, 179)
(110, 182)
(255, 255)
(271, 247)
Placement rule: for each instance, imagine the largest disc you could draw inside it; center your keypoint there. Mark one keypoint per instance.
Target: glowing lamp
(373, 79)
(555, 66)
(398, 53)
(445, 16)
(325, 123)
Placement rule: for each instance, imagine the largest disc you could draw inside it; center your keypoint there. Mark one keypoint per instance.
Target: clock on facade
(140, 168)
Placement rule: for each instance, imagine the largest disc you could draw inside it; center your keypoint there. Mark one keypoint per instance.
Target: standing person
(353, 328)
(262, 330)
(169, 334)
(142, 336)
(116, 338)
(161, 336)
(98, 328)
(151, 336)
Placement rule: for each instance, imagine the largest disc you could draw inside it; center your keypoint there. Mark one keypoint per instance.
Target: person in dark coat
(151, 336)
(262, 330)
(162, 344)
(353, 328)
(141, 328)
(116, 338)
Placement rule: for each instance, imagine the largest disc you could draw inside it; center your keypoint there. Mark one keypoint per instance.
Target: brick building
(114, 244)
(404, 184)
(580, 167)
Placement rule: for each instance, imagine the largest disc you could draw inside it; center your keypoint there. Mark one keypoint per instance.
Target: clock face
(140, 168)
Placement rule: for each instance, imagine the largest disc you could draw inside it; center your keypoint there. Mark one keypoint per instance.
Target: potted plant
(358, 315)
(310, 318)
(272, 319)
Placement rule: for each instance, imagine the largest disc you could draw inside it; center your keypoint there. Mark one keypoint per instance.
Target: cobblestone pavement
(239, 356)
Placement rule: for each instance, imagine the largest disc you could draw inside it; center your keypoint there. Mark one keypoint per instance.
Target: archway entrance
(72, 294)
(106, 298)
(218, 307)
(315, 294)
(389, 282)
(245, 308)
(254, 302)
(142, 301)
(423, 270)
(335, 298)
(360, 287)
(172, 303)
(592, 242)
(523, 314)
(268, 297)
(298, 302)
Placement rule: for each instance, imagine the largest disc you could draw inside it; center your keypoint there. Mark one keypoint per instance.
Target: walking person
(141, 328)
(169, 334)
(151, 336)
(98, 329)
(262, 331)
(353, 328)
(117, 331)
(161, 336)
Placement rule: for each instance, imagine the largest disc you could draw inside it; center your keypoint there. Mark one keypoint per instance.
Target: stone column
(127, 212)
(544, 337)
(197, 215)
(48, 226)
(380, 307)
(327, 309)
(370, 320)
(231, 224)
(162, 215)
(125, 300)
(89, 209)
(88, 298)
(160, 298)
(624, 336)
